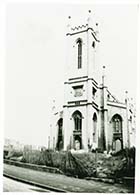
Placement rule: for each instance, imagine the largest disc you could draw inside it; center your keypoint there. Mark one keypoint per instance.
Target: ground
(67, 183)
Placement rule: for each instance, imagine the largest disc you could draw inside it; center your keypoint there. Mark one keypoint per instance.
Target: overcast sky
(36, 56)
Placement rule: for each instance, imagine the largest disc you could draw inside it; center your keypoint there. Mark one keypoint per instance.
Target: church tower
(81, 94)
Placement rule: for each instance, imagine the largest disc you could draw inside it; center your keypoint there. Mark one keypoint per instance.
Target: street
(10, 185)
(63, 182)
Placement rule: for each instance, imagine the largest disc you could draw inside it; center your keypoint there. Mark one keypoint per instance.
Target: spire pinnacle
(89, 17)
(103, 75)
(69, 23)
(126, 96)
(90, 20)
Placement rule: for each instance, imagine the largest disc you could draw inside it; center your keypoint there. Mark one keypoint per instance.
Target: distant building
(92, 117)
(10, 145)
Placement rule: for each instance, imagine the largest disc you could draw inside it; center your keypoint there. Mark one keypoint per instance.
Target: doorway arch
(117, 124)
(77, 131)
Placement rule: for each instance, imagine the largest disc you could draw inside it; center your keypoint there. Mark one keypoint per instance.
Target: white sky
(36, 56)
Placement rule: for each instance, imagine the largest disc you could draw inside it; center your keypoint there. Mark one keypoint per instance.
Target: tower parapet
(89, 25)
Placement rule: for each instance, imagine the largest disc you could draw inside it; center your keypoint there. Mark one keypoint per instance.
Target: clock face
(78, 91)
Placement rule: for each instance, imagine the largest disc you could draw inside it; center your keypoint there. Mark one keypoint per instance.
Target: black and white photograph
(70, 97)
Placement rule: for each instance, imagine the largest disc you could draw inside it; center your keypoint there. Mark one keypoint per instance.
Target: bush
(33, 157)
(82, 165)
(14, 154)
(128, 168)
(5, 153)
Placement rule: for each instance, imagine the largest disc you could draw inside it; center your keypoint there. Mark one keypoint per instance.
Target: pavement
(69, 184)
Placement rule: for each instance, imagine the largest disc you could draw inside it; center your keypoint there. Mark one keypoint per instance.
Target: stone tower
(81, 95)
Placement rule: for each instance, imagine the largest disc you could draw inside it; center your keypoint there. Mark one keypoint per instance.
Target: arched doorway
(77, 132)
(77, 143)
(117, 132)
(59, 145)
(117, 145)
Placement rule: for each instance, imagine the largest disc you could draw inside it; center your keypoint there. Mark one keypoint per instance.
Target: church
(92, 118)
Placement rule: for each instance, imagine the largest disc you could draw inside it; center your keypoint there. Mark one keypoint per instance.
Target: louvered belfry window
(79, 43)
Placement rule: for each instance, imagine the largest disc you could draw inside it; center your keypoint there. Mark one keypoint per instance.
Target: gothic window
(78, 91)
(59, 145)
(108, 97)
(117, 124)
(79, 44)
(93, 92)
(60, 123)
(130, 124)
(77, 116)
(94, 127)
(93, 44)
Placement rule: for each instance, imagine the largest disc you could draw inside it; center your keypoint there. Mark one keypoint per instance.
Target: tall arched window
(59, 145)
(94, 127)
(77, 116)
(60, 124)
(117, 123)
(79, 44)
(77, 131)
